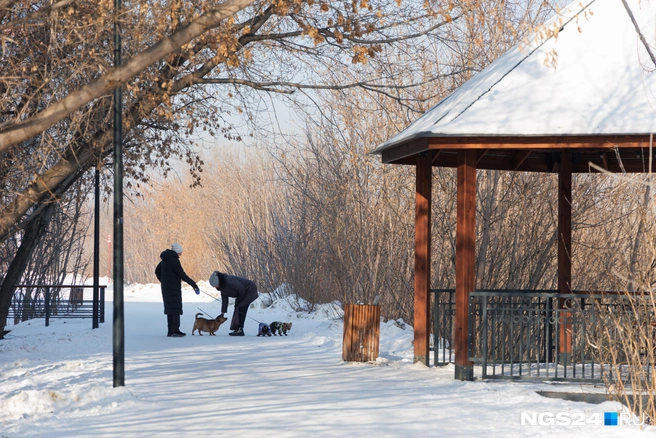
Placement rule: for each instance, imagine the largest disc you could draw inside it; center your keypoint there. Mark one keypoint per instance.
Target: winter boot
(170, 325)
(238, 332)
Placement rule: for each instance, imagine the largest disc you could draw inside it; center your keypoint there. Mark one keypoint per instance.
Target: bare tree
(190, 67)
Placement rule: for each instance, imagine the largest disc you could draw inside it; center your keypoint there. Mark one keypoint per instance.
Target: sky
(57, 381)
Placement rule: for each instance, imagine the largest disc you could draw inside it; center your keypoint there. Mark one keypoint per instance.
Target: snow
(603, 81)
(57, 381)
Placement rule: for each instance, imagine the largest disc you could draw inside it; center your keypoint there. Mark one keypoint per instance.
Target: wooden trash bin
(361, 332)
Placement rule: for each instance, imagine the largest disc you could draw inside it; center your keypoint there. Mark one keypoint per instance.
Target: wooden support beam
(405, 150)
(608, 142)
(565, 222)
(565, 253)
(480, 155)
(435, 155)
(519, 159)
(465, 258)
(424, 177)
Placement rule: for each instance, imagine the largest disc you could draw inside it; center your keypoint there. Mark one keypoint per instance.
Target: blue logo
(610, 418)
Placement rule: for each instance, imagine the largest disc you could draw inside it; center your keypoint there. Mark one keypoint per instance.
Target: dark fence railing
(536, 334)
(443, 318)
(50, 301)
(443, 322)
(542, 335)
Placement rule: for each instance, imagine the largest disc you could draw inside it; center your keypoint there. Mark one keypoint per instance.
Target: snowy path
(57, 382)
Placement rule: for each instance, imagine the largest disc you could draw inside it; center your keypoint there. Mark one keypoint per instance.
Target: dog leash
(204, 312)
(216, 299)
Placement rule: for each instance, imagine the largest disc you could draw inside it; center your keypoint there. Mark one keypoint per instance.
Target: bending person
(243, 290)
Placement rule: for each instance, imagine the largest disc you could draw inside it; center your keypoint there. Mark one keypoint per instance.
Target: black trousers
(242, 316)
(173, 322)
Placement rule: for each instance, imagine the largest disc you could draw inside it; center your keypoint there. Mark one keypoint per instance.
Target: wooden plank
(377, 332)
(363, 333)
(346, 339)
(400, 152)
(357, 351)
(422, 258)
(404, 150)
(540, 142)
(465, 253)
(565, 223)
(535, 161)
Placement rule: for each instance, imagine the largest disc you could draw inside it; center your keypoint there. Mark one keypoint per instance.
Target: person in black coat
(243, 290)
(170, 273)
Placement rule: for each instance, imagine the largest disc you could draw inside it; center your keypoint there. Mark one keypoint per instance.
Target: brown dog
(207, 325)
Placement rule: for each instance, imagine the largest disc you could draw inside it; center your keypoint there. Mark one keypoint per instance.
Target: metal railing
(443, 317)
(51, 301)
(540, 335)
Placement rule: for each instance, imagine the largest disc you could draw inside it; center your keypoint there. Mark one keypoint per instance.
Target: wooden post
(565, 253)
(424, 178)
(465, 259)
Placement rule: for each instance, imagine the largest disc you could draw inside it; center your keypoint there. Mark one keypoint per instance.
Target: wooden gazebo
(580, 99)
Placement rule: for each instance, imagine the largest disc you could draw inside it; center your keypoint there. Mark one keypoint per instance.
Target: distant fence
(50, 301)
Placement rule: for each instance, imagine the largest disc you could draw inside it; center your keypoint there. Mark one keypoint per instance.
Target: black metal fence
(536, 334)
(50, 301)
(543, 335)
(443, 318)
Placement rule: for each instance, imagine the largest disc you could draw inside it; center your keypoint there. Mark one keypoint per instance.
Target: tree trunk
(15, 272)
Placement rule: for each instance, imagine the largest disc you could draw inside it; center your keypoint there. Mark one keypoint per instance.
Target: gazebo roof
(585, 81)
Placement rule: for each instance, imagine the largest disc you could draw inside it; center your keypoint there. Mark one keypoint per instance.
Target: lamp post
(96, 248)
(118, 323)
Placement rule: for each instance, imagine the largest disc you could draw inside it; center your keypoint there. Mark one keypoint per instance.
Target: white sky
(57, 382)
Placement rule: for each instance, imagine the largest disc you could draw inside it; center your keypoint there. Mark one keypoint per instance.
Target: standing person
(170, 273)
(242, 289)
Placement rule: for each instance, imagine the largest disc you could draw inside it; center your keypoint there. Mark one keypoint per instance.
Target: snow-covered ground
(57, 381)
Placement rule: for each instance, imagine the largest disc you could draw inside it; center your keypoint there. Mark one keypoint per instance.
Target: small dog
(207, 325)
(263, 330)
(280, 327)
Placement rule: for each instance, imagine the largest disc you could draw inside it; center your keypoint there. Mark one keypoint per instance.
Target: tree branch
(41, 121)
(266, 86)
(637, 28)
(38, 14)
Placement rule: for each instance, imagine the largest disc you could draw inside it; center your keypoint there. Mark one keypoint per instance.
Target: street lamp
(118, 323)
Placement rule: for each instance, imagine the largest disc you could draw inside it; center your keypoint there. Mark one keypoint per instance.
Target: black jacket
(243, 290)
(170, 273)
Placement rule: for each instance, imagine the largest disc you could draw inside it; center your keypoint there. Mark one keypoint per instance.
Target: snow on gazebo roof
(603, 81)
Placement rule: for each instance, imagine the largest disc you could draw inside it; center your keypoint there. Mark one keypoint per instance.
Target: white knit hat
(177, 248)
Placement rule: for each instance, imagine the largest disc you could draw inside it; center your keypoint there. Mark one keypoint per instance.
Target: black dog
(280, 327)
